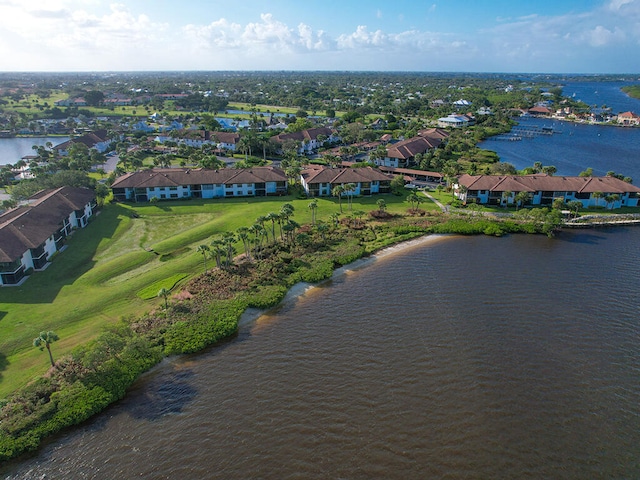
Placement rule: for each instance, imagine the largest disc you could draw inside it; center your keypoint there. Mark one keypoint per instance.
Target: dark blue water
(603, 94)
(579, 146)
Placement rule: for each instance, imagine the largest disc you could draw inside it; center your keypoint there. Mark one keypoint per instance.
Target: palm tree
(504, 198)
(335, 218)
(414, 200)
(290, 229)
(313, 206)
(286, 211)
(229, 239)
(382, 205)
(558, 203)
(597, 196)
(521, 199)
(243, 234)
(611, 200)
(217, 249)
(257, 231)
(574, 206)
(163, 292)
(358, 214)
(337, 191)
(44, 340)
(204, 250)
(273, 217)
(350, 189)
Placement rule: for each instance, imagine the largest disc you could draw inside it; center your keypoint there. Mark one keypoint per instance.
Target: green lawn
(125, 249)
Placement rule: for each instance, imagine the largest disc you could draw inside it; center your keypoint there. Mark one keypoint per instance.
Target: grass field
(33, 106)
(124, 250)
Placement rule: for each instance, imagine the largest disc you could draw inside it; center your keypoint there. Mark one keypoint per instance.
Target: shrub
(313, 274)
(217, 323)
(265, 296)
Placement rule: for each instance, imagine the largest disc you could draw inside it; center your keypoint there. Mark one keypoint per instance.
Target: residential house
(629, 119)
(97, 140)
(319, 181)
(71, 102)
(310, 140)
(225, 140)
(415, 177)
(540, 111)
(378, 124)
(543, 189)
(462, 104)
(402, 154)
(30, 234)
(181, 183)
(456, 121)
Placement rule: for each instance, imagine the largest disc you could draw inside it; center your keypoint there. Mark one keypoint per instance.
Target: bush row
(99, 373)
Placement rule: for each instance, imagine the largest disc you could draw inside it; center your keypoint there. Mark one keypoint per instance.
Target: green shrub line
(99, 373)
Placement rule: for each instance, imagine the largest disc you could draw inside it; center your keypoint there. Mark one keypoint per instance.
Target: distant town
(124, 122)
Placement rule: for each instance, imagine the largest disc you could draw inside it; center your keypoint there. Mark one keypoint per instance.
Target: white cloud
(93, 35)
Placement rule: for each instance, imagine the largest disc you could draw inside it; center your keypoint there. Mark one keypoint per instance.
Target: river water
(576, 147)
(465, 357)
(456, 357)
(13, 149)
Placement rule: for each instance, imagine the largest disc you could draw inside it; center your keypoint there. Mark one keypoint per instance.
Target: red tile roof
(547, 183)
(173, 177)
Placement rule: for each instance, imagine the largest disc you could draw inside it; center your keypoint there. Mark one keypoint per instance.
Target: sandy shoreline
(299, 290)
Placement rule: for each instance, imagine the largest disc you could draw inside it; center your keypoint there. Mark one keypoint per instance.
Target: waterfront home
(544, 189)
(629, 119)
(319, 181)
(97, 140)
(402, 154)
(540, 111)
(183, 183)
(455, 121)
(30, 234)
(308, 140)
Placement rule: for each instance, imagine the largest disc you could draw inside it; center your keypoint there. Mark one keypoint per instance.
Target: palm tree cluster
(274, 228)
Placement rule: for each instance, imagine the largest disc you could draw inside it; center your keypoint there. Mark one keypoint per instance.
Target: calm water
(579, 146)
(461, 358)
(603, 93)
(13, 149)
(458, 358)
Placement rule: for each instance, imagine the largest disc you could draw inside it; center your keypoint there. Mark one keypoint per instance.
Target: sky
(550, 36)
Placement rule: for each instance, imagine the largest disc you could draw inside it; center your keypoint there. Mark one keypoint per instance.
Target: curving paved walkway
(444, 208)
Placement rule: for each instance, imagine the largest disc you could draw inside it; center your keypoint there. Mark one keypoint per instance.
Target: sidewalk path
(444, 208)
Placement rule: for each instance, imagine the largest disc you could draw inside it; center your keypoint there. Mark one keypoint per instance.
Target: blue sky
(560, 36)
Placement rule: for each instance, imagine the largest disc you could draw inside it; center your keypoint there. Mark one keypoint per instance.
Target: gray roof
(30, 225)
